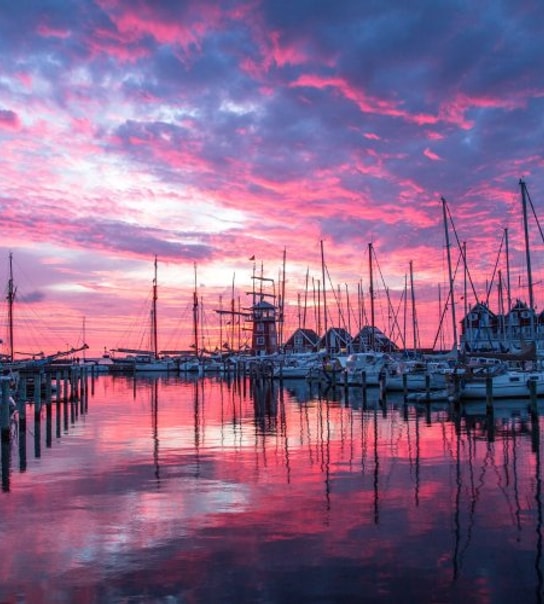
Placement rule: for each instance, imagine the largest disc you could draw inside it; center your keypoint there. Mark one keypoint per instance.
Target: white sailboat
(500, 381)
(147, 360)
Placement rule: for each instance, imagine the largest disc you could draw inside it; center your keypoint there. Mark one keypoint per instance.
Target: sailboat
(148, 360)
(8, 363)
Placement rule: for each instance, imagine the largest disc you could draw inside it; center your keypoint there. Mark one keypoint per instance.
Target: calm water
(168, 490)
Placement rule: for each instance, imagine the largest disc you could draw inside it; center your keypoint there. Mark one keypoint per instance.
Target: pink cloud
(286, 54)
(185, 29)
(431, 155)
(50, 32)
(9, 120)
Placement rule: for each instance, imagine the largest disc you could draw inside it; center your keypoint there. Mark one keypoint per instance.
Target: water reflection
(229, 490)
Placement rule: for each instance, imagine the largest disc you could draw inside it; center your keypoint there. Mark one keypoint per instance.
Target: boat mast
(413, 297)
(305, 298)
(527, 251)
(371, 294)
(450, 274)
(195, 314)
(154, 314)
(11, 300)
(508, 288)
(324, 298)
(282, 299)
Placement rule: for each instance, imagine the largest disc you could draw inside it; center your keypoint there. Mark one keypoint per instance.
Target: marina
(168, 487)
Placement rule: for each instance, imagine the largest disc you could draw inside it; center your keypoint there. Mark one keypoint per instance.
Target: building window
(260, 341)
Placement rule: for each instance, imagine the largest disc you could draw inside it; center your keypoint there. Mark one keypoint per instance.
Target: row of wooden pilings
(68, 383)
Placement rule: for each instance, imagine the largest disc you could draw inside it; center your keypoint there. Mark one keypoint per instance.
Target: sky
(299, 133)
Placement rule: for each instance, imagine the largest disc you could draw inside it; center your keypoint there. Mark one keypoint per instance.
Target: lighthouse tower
(264, 338)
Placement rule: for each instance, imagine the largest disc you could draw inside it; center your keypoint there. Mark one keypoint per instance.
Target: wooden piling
(533, 402)
(37, 392)
(5, 415)
(489, 393)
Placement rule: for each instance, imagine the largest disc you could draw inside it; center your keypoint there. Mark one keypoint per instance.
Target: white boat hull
(512, 384)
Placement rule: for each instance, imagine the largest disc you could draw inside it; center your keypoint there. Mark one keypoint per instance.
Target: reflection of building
(264, 337)
(483, 330)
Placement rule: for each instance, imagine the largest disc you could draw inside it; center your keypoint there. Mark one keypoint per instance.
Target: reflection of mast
(197, 427)
(538, 495)
(376, 469)
(418, 457)
(324, 442)
(155, 424)
(458, 483)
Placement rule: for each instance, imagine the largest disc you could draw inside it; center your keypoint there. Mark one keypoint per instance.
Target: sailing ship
(137, 360)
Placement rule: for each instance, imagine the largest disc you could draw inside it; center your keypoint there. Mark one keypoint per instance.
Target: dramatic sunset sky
(210, 132)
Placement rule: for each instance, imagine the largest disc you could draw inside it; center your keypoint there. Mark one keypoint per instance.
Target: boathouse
(302, 340)
(372, 338)
(479, 329)
(337, 339)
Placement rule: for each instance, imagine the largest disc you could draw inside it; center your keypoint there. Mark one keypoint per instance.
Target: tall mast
(305, 298)
(527, 251)
(371, 294)
(508, 288)
(404, 322)
(11, 300)
(324, 297)
(154, 314)
(282, 298)
(195, 314)
(450, 274)
(232, 315)
(348, 309)
(220, 324)
(413, 295)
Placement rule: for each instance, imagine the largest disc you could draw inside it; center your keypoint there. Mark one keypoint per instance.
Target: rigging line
(488, 292)
(388, 297)
(462, 253)
(534, 213)
(448, 297)
(395, 315)
(333, 289)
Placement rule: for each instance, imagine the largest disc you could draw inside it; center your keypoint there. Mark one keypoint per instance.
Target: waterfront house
(302, 340)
